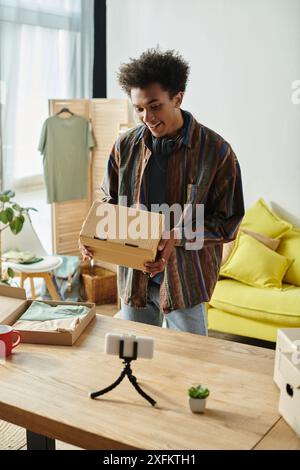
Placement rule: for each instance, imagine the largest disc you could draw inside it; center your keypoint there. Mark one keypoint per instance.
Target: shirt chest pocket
(199, 190)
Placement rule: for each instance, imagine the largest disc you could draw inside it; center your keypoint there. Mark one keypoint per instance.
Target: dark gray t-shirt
(157, 168)
(158, 164)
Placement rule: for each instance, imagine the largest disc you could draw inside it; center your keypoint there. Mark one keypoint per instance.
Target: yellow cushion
(265, 305)
(271, 243)
(260, 218)
(227, 323)
(253, 263)
(290, 247)
(233, 324)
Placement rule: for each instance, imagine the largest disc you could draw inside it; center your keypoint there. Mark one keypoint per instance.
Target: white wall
(244, 56)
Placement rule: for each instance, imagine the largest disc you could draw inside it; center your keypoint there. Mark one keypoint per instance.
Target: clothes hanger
(64, 110)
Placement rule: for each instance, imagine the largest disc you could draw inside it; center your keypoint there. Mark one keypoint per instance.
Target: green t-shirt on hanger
(65, 145)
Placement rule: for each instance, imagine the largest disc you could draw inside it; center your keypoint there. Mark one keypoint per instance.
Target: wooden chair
(28, 240)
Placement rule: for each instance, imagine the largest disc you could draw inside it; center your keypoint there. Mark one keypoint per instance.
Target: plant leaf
(10, 273)
(16, 207)
(3, 217)
(4, 198)
(19, 221)
(12, 226)
(10, 214)
(9, 193)
(16, 225)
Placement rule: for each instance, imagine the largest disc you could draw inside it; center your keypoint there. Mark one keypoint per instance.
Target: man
(171, 158)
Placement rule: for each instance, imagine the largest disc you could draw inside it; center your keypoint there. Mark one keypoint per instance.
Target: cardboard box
(122, 235)
(13, 304)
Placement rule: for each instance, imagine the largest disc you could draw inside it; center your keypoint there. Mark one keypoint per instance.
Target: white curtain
(46, 52)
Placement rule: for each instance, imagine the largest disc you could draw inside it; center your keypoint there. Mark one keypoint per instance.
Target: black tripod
(126, 371)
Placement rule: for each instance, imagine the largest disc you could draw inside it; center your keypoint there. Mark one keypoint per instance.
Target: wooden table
(45, 389)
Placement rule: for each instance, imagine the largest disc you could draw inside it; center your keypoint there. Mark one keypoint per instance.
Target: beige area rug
(14, 438)
(11, 437)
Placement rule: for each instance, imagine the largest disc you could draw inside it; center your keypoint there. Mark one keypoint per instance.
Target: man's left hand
(165, 248)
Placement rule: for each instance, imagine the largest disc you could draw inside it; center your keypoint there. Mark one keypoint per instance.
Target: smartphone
(145, 345)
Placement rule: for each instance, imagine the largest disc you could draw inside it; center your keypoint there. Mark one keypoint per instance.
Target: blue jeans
(191, 320)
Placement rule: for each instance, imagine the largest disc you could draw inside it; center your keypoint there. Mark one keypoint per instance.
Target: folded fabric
(68, 267)
(40, 311)
(62, 325)
(16, 256)
(33, 261)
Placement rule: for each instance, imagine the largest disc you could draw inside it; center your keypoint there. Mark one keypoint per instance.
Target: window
(45, 53)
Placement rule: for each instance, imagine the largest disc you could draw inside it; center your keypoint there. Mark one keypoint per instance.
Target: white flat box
(288, 341)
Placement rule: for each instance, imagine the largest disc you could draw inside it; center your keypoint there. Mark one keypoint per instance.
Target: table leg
(38, 442)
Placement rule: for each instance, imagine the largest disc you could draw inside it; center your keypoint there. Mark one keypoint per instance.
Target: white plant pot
(197, 405)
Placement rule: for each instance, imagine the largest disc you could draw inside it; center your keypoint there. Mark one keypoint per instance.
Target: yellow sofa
(254, 312)
(253, 306)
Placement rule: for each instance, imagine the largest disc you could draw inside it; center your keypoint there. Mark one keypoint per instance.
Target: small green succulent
(198, 392)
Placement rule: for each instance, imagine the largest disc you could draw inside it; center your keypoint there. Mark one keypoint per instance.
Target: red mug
(7, 343)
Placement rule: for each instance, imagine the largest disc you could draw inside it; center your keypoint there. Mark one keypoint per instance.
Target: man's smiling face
(154, 107)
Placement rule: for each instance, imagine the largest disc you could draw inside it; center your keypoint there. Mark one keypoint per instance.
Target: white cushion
(49, 263)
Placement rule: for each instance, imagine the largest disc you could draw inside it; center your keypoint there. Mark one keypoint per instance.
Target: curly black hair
(167, 68)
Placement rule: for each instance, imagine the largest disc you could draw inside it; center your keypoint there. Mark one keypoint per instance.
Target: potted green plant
(197, 398)
(11, 217)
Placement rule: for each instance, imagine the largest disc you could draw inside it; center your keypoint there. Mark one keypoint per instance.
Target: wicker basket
(100, 285)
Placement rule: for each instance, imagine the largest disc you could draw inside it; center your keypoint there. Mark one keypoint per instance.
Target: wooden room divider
(105, 116)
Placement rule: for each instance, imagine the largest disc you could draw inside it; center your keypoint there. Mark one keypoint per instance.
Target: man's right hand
(86, 254)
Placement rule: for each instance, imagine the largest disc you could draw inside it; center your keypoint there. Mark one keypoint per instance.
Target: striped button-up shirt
(203, 170)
